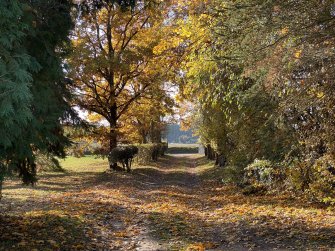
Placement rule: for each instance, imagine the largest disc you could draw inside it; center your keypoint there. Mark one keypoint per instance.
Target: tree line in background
(175, 134)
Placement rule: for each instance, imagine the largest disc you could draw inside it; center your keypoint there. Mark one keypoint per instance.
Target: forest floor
(177, 204)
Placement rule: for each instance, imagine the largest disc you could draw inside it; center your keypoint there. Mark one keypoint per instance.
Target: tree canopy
(31, 52)
(114, 62)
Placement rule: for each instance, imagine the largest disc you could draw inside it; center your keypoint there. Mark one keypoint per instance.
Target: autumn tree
(114, 61)
(290, 43)
(146, 119)
(262, 81)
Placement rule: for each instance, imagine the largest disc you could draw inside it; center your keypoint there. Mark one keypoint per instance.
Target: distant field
(183, 148)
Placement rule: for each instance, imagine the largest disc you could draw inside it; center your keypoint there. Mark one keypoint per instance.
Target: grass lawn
(89, 163)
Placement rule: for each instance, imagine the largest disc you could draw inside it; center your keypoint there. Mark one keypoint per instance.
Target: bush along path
(176, 204)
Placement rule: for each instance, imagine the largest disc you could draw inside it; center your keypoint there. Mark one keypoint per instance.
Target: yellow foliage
(297, 54)
(196, 247)
(284, 31)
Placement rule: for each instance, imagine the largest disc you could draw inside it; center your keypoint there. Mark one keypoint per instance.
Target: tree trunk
(157, 136)
(155, 133)
(113, 134)
(2, 176)
(113, 105)
(1, 180)
(112, 145)
(144, 139)
(216, 159)
(143, 136)
(220, 160)
(210, 152)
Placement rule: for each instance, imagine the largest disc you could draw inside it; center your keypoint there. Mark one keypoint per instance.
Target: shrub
(144, 155)
(258, 177)
(254, 189)
(150, 152)
(232, 175)
(264, 172)
(322, 187)
(316, 180)
(299, 175)
(123, 155)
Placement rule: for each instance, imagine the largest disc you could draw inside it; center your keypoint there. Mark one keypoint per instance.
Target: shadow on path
(166, 206)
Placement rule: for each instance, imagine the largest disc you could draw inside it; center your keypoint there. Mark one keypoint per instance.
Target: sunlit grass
(182, 145)
(50, 183)
(85, 164)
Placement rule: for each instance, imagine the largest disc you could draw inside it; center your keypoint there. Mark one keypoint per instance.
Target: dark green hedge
(183, 150)
(150, 152)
